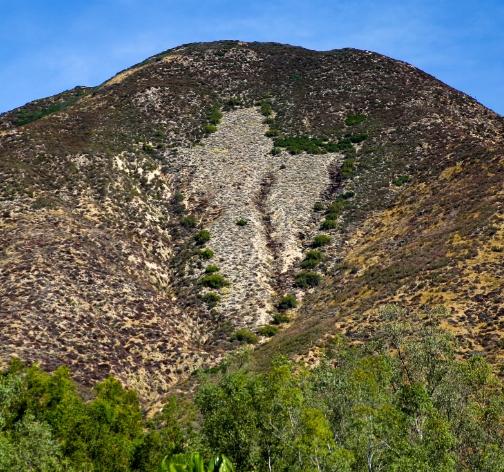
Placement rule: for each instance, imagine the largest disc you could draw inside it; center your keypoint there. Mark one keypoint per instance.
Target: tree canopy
(403, 401)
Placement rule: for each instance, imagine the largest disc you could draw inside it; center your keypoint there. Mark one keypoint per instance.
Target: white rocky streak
(234, 171)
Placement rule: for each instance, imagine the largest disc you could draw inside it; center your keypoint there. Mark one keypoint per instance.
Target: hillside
(107, 195)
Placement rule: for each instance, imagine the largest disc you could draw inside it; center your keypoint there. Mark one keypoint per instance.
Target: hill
(151, 223)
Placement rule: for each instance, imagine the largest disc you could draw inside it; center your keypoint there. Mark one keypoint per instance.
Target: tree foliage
(403, 401)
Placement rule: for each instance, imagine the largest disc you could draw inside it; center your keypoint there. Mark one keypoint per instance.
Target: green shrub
(188, 222)
(242, 222)
(210, 129)
(352, 120)
(307, 279)
(347, 195)
(232, 103)
(213, 281)
(336, 208)
(210, 269)
(401, 180)
(214, 116)
(344, 144)
(266, 108)
(286, 302)
(271, 133)
(244, 335)
(268, 330)
(321, 240)
(348, 168)
(328, 224)
(298, 144)
(280, 318)
(312, 259)
(206, 253)
(178, 197)
(211, 298)
(193, 462)
(318, 206)
(25, 116)
(358, 138)
(276, 151)
(202, 237)
(177, 203)
(148, 148)
(311, 145)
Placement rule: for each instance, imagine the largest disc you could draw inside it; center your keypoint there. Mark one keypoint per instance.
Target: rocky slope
(107, 194)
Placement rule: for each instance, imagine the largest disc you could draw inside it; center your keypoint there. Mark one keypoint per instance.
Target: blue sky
(47, 46)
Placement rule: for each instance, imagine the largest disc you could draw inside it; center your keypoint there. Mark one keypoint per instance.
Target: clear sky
(47, 46)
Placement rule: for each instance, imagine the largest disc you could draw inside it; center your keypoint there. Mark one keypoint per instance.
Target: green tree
(267, 422)
(30, 447)
(193, 462)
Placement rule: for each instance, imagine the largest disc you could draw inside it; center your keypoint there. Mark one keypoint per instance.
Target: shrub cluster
(328, 224)
(312, 259)
(210, 269)
(266, 108)
(244, 335)
(321, 240)
(202, 237)
(311, 145)
(205, 253)
(178, 203)
(268, 330)
(213, 116)
(348, 167)
(401, 180)
(280, 318)
(232, 103)
(26, 116)
(306, 279)
(209, 128)
(356, 119)
(188, 221)
(272, 133)
(213, 280)
(298, 144)
(336, 208)
(357, 138)
(211, 298)
(287, 302)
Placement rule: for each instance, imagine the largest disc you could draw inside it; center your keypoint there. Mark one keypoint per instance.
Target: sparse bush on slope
(202, 237)
(213, 280)
(307, 279)
(286, 302)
